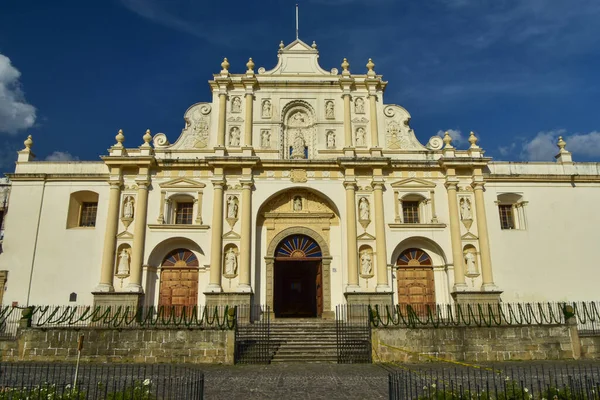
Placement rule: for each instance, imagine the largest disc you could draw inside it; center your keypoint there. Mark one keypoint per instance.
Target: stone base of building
(115, 299)
(381, 299)
(228, 299)
(476, 297)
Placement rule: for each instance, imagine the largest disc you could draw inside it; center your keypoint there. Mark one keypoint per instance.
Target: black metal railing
(487, 314)
(217, 317)
(253, 344)
(61, 381)
(353, 333)
(9, 321)
(541, 381)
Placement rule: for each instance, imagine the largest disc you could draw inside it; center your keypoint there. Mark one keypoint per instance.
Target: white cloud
(61, 156)
(543, 146)
(455, 134)
(15, 112)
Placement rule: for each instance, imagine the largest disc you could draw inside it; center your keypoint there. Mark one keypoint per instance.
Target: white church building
(299, 188)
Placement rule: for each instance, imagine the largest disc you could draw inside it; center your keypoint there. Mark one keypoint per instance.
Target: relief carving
(329, 109)
(236, 105)
(298, 176)
(266, 109)
(195, 134)
(399, 135)
(359, 105)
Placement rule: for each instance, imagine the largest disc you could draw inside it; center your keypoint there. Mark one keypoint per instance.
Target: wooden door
(178, 287)
(319, 283)
(179, 280)
(416, 285)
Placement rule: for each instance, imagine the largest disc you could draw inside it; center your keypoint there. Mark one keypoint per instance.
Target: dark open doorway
(298, 289)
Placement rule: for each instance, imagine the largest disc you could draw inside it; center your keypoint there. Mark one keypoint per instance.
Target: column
(457, 254)
(221, 122)
(110, 239)
(380, 244)
(434, 218)
(216, 239)
(484, 241)
(161, 212)
(246, 232)
(199, 209)
(248, 120)
(347, 121)
(374, 129)
(139, 238)
(351, 235)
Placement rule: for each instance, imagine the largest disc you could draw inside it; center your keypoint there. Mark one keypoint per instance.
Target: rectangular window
(184, 213)
(507, 220)
(88, 214)
(410, 212)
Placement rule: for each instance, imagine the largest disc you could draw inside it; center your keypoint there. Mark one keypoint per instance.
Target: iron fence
(533, 382)
(487, 314)
(253, 342)
(61, 381)
(9, 322)
(217, 317)
(353, 333)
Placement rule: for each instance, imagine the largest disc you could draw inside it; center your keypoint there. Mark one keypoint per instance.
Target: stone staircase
(291, 340)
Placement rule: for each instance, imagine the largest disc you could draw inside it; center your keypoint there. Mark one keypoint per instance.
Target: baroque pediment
(297, 58)
(196, 132)
(398, 134)
(413, 183)
(182, 183)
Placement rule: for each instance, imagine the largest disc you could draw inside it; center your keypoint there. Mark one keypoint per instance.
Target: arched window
(83, 207)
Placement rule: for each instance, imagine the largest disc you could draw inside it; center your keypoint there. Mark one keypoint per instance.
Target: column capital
(143, 184)
(218, 183)
(378, 185)
(350, 185)
(115, 184)
(478, 185)
(247, 184)
(451, 185)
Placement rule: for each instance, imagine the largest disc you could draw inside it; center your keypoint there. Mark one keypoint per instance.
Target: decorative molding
(185, 227)
(182, 183)
(365, 236)
(413, 183)
(416, 226)
(469, 236)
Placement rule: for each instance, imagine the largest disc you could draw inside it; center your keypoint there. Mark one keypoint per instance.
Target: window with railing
(511, 210)
(83, 209)
(87, 217)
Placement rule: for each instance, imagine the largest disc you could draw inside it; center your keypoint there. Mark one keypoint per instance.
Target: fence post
(26, 316)
(571, 320)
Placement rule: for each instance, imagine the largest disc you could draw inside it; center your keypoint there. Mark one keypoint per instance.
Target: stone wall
(472, 344)
(590, 347)
(126, 345)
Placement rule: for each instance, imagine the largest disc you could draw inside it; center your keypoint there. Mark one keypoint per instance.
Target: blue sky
(517, 72)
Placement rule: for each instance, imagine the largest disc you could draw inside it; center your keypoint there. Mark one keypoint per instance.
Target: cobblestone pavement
(296, 381)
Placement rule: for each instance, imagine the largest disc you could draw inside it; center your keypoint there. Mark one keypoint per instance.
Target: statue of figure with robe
(365, 263)
(298, 146)
(123, 267)
(230, 262)
(470, 261)
(128, 208)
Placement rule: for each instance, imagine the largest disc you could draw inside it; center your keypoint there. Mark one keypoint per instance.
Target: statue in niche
(128, 208)
(230, 262)
(329, 110)
(297, 203)
(232, 207)
(360, 137)
(123, 267)
(331, 140)
(266, 109)
(465, 209)
(265, 139)
(236, 105)
(364, 209)
(365, 263)
(359, 106)
(234, 136)
(470, 261)
(298, 145)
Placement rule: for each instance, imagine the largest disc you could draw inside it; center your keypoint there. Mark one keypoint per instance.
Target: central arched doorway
(416, 285)
(179, 279)
(298, 278)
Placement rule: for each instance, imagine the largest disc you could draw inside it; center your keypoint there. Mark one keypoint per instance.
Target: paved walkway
(296, 381)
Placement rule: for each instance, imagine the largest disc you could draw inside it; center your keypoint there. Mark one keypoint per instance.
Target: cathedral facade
(299, 188)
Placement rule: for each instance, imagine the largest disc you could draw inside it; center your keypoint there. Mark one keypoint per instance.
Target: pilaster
(139, 234)
(216, 240)
(352, 254)
(110, 234)
(455, 238)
